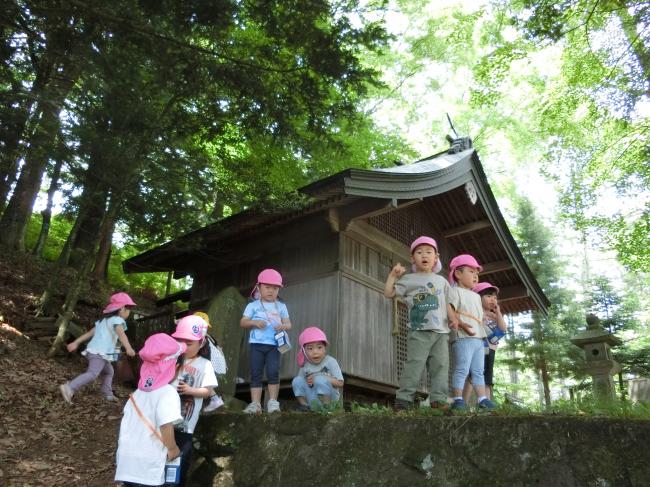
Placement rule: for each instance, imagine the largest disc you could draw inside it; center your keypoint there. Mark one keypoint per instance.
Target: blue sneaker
(458, 405)
(486, 404)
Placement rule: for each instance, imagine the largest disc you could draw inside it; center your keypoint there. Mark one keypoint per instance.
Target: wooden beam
(361, 210)
(368, 208)
(469, 228)
(497, 266)
(512, 292)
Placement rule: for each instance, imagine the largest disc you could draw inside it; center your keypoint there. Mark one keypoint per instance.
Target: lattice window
(400, 339)
(146, 326)
(400, 343)
(404, 225)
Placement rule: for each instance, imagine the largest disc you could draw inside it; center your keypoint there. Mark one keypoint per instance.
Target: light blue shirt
(104, 341)
(271, 313)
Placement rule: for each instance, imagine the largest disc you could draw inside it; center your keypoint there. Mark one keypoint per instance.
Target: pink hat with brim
(460, 261)
(159, 356)
(423, 240)
(270, 277)
(191, 327)
(482, 286)
(118, 301)
(309, 335)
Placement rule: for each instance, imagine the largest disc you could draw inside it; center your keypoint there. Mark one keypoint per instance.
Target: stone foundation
(373, 450)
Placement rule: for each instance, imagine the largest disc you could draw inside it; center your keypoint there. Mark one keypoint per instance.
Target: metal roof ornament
(470, 190)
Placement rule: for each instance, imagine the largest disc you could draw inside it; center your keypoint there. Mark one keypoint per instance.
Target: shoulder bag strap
(144, 419)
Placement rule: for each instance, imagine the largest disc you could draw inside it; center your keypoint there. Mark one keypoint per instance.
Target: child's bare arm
(466, 328)
(395, 273)
(72, 346)
(335, 382)
(452, 318)
(183, 388)
(286, 325)
(501, 322)
(248, 323)
(119, 329)
(167, 433)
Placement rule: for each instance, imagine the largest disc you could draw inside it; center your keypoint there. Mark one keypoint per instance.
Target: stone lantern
(597, 343)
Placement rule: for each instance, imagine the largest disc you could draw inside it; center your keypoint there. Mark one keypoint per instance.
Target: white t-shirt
(196, 372)
(468, 305)
(141, 456)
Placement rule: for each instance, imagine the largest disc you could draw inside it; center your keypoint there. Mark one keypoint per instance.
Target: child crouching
(320, 378)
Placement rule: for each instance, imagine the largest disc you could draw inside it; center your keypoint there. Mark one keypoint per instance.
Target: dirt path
(43, 440)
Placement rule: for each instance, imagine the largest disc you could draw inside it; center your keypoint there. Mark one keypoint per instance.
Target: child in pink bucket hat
(426, 295)
(495, 329)
(146, 438)
(467, 350)
(103, 348)
(266, 317)
(195, 381)
(319, 378)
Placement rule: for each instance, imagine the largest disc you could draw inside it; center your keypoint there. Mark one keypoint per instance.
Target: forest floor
(44, 440)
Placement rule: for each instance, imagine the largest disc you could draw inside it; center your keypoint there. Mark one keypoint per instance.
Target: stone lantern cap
(595, 333)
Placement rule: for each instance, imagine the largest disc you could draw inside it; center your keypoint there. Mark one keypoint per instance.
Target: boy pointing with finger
(426, 295)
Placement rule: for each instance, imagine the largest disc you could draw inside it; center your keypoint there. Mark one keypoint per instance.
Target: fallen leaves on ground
(45, 441)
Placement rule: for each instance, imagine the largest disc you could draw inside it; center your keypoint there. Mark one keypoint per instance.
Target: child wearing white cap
(146, 438)
(102, 348)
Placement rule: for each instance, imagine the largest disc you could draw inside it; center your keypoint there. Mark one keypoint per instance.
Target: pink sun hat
(423, 240)
(459, 261)
(118, 301)
(309, 335)
(271, 277)
(482, 286)
(191, 327)
(159, 356)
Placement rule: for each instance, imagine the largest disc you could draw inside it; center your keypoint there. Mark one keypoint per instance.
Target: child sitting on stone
(320, 378)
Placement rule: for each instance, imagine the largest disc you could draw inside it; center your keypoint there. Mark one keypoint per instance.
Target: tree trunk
(91, 212)
(545, 382)
(71, 298)
(512, 352)
(64, 256)
(100, 270)
(16, 216)
(47, 212)
(85, 241)
(11, 154)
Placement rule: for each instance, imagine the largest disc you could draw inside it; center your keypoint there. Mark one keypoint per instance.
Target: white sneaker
(273, 406)
(253, 408)
(66, 392)
(215, 403)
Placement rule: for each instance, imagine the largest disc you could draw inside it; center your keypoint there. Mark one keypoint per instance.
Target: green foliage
(611, 409)
(544, 340)
(587, 113)
(373, 409)
(60, 227)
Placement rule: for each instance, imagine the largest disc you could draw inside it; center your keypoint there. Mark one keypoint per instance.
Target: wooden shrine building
(336, 252)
